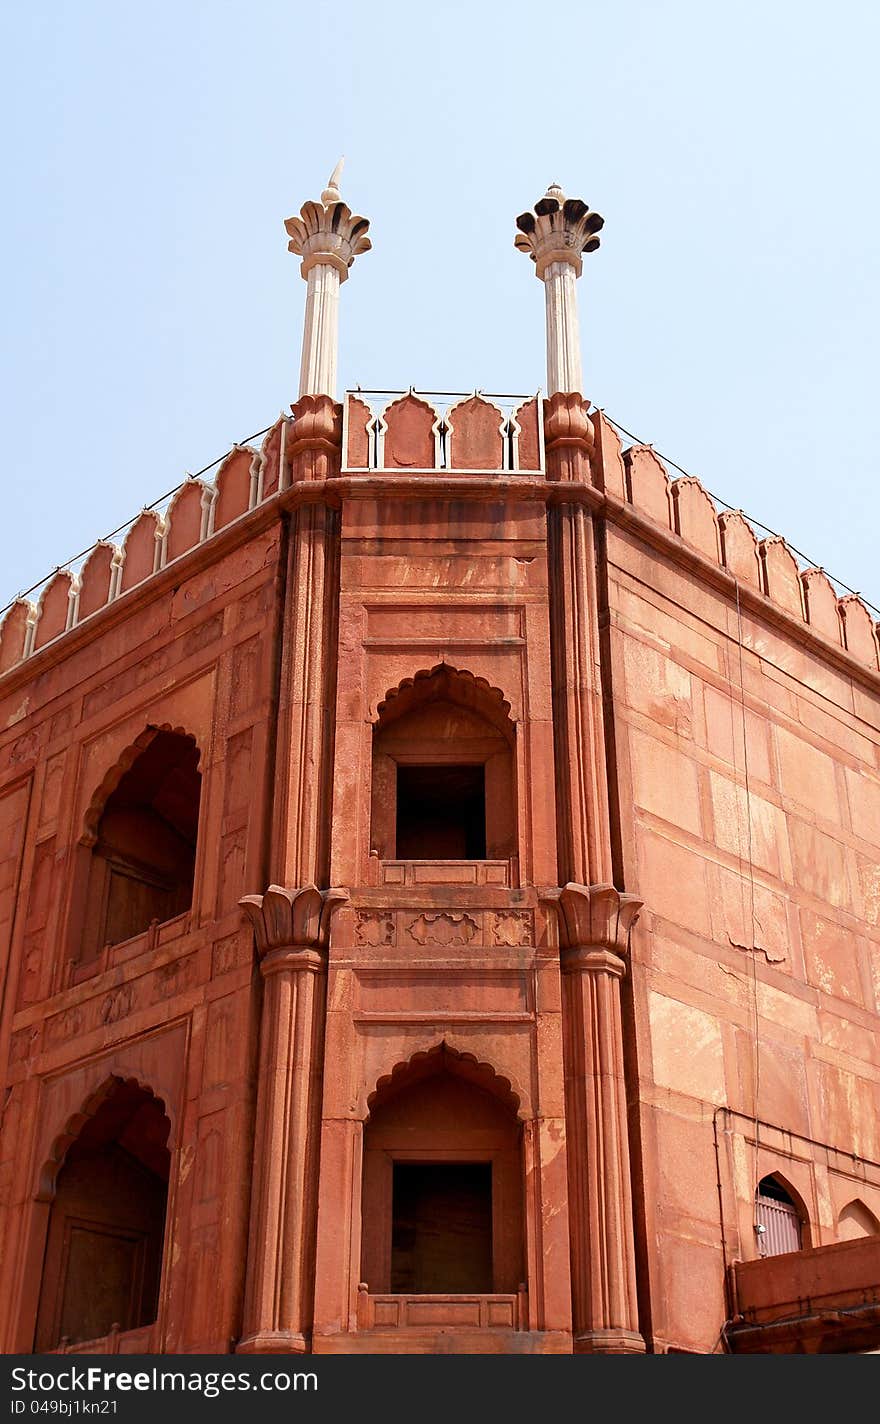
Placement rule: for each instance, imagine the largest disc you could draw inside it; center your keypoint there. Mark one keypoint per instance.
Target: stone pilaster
(555, 235)
(291, 929)
(328, 237)
(583, 831)
(303, 790)
(594, 925)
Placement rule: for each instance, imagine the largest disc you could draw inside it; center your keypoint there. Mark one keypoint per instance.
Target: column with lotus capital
(291, 930)
(594, 925)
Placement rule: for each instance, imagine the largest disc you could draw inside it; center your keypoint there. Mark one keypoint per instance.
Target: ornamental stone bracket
(566, 421)
(296, 919)
(568, 437)
(315, 440)
(317, 424)
(596, 918)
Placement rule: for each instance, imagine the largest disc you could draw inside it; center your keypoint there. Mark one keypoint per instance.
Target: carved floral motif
(374, 927)
(117, 1004)
(513, 927)
(443, 929)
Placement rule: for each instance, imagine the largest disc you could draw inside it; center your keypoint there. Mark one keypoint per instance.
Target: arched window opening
(779, 1224)
(142, 862)
(442, 1205)
(443, 772)
(103, 1257)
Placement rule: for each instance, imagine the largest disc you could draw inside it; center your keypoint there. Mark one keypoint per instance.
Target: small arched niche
(103, 1258)
(442, 1203)
(780, 1218)
(137, 857)
(443, 771)
(857, 1220)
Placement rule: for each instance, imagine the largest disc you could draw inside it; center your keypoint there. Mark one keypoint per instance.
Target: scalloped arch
(411, 691)
(53, 610)
(445, 1057)
(185, 518)
(410, 427)
(13, 632)
(123, 763)
(74, 1125)
(476, 427)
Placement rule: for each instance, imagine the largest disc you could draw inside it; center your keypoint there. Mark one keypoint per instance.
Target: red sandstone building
(439, 896)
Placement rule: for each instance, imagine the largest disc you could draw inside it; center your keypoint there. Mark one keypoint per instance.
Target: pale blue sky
(153, 315)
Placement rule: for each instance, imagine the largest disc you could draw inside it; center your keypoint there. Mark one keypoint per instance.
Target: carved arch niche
(442, 1204)
(443, 770)
(855, 1221)
(106, 1189)
(135, 861)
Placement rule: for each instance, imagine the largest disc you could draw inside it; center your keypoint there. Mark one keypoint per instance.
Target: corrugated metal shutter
(782, 1226)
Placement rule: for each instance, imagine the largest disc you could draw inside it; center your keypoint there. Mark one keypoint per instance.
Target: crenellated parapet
(683, 507)
(411, 432)
(425, 432)
(195, 513)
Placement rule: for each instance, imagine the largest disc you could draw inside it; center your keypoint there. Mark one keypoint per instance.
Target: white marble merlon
(555, 235)
(328, 237)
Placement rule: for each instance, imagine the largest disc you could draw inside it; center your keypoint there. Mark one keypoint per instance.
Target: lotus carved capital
(559, 229)
(292, 919)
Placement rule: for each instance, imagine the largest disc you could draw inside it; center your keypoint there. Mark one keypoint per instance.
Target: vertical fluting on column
(291, 921)
(291, 928)
(555, 235)
(307, 695)
(320, 332)
(594, 925)
(563, 333)
(583, 828)
(328, 237)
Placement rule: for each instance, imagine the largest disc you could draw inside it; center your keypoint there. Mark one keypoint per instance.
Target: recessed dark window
(441, 812)
(441, 1237)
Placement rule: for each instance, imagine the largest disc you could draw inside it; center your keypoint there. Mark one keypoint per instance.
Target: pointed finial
(555, 191)
(331, 193)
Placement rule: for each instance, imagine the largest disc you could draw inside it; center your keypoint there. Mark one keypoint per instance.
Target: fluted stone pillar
(328, 237)
(555, 235)
(303, 791)
(583, 828)
(291, 929)
(594, 925)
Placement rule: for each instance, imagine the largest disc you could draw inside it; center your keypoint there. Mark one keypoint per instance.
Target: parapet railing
(468, 431)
